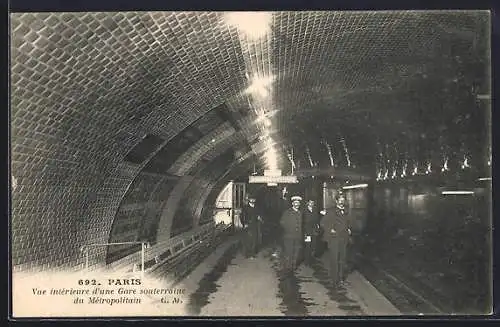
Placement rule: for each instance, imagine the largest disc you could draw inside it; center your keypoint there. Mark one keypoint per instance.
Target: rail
(160, 252)
(186, 247)
(144, 245)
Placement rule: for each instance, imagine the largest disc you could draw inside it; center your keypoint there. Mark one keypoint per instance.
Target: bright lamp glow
(254, 24)
(484, 179)
(355, 186)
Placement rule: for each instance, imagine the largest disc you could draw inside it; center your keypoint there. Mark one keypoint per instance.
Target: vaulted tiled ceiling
(100, 80)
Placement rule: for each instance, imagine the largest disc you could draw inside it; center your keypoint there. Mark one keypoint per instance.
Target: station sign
(272, 179)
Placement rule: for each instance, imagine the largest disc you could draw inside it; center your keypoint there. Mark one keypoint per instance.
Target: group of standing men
(302, 232)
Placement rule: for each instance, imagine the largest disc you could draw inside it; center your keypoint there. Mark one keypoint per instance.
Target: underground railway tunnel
(136, 138)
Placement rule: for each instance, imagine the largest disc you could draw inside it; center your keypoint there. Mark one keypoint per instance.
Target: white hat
(296, 198)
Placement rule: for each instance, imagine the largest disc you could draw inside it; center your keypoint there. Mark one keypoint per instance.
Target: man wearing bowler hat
(292, 231)
(251, 219)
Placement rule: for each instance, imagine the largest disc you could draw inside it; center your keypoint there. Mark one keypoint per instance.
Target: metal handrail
(144, 245)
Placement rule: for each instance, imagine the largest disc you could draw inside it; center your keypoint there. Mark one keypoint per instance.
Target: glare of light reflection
(265, 133)
(429, 168)
(269, 142)
(415, 170)
(403, 174)
(445, 165)
(344, 145)
(355, 186)
(267, 122)
(417, 201)
(271, 159)
(259, 86)
(394, 174)
(254, 24)
(379, 175)
(386, 175)
(330, 156)
(457, 192)
(484, 179)
(309, 157)
(465, 164)
(261, 115)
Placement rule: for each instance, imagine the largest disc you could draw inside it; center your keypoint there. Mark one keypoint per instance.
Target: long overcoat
(292, 237)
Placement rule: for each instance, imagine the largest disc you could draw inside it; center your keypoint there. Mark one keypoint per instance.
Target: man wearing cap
(292, 234)
(251, 220)
(311, 229)
(336, 233)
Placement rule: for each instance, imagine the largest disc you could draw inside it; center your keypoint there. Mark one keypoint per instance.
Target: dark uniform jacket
(291, 224)
(335, 220)
(311, 220)
(341, 224)
(250, 217)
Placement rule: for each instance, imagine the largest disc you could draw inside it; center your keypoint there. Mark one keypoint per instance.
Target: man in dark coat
(311, 230)
(292, 235)
(251, 219)
(336, 233)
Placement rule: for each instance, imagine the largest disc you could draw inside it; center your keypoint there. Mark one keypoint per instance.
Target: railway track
(402, 293)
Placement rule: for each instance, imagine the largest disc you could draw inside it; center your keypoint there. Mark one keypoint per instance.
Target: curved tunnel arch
(87, 88)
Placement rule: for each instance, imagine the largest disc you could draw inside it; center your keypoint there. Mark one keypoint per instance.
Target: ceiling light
(484, 179)
(483, 96)
(457, 192)
(253, 24)
(355, 186)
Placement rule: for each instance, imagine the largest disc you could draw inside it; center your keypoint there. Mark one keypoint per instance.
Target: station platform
(228, 284)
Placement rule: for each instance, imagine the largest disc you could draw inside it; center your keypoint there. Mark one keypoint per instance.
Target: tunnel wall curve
(80, 101)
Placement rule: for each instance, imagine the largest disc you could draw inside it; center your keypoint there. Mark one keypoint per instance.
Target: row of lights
(465, 164)
(312, 163)
(254, 26)
(383, 174)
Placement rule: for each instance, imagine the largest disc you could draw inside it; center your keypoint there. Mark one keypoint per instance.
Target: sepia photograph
(250, 163)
